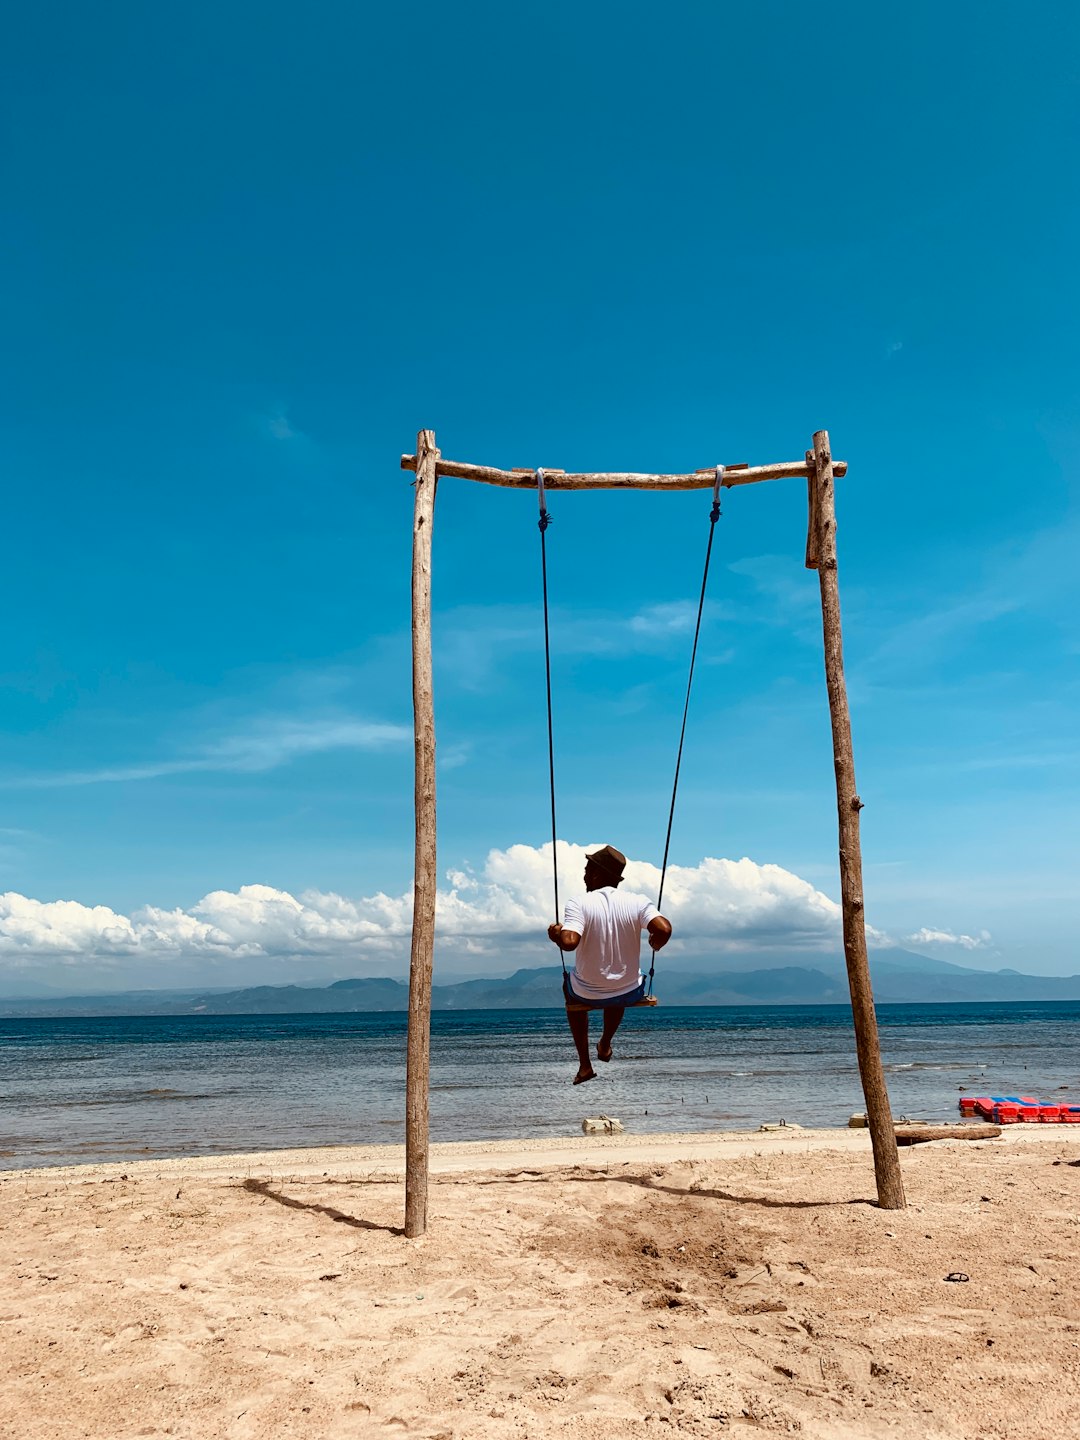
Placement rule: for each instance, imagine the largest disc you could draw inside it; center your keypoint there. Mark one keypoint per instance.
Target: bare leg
(613, 1015)
(578, 1021)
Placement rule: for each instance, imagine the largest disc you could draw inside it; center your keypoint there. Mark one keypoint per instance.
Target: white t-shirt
(607, 962)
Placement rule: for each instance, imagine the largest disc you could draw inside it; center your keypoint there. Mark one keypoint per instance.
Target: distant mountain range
(898, 975)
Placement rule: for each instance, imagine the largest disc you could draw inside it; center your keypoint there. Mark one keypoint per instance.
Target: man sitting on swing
(603, 929)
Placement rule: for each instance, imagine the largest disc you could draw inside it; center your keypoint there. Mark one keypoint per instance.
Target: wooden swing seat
(578, 1006)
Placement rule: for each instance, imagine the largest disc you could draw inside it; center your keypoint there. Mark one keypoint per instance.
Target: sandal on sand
(604, 1055)
(580, 1079)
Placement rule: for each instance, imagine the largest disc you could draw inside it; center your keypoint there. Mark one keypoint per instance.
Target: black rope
(714, 515)
(545, 521)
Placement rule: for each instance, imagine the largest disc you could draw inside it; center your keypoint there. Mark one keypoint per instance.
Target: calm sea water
(131, 1088)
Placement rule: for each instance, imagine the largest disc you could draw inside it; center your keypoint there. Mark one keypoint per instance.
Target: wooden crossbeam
(523, 479)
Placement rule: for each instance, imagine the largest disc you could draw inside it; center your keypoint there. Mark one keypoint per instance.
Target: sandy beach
(610, 1287)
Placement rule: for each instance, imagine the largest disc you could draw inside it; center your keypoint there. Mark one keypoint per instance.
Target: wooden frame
(819, 469)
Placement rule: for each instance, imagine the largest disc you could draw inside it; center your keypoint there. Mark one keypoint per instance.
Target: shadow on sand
(262, 1187)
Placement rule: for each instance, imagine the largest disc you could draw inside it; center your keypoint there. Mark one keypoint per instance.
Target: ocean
(84, 1090)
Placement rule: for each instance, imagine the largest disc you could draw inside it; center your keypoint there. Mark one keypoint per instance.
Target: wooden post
(890, 1184)
(423, 926)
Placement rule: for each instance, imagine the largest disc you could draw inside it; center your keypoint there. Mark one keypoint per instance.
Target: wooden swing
(817, 468)
(576, 1005)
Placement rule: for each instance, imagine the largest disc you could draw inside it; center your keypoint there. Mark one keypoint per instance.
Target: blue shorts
(610, 1002)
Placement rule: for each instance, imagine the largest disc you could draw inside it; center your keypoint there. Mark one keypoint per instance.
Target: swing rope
(545, 521)
(714, 515)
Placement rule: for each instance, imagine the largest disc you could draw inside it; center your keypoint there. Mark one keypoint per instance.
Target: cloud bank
(493, 919)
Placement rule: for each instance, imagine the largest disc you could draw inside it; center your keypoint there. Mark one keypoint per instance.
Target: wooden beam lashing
(890, 1185)
(812, 507)
(523, 477)
(418, 1049)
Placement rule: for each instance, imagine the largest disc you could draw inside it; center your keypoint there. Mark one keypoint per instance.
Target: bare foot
(603, 1052)
(583, 1074)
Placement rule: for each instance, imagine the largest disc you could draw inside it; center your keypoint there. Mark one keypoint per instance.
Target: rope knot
(545, 518)
(714, 513)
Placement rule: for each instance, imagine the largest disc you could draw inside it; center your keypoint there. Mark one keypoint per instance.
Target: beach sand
(611, 1287)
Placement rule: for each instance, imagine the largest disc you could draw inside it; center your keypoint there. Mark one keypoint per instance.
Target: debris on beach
(920, 1133)
(602, 1125)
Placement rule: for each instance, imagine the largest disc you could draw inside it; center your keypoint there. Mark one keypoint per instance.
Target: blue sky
(247, 251)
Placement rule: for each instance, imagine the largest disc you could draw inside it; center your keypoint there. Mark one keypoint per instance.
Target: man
(603, 930)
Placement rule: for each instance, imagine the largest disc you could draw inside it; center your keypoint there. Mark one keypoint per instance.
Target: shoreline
(387, 1162)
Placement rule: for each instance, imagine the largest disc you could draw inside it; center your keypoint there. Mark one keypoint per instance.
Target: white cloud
(675, 617)
(276, 740)
(474, 641)
(500, 913)
(262, 745)
(781, 597)
(61, 928)
(278, 426)
(939, 631)
(927, 936)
